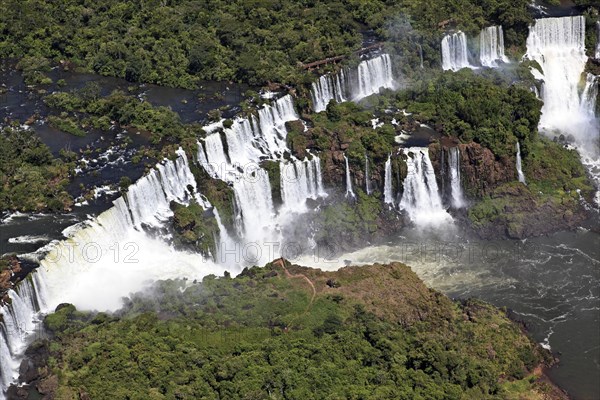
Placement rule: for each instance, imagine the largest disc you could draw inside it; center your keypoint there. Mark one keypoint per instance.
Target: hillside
(289, 332)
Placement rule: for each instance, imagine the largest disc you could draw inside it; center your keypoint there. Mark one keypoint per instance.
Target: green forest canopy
(368, 332)
(178, 42)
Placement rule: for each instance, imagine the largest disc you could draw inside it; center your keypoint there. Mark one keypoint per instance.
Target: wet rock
(48, 386)
(27, 371)
(338, 156)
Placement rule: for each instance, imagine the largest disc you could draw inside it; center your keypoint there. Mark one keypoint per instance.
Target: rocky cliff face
(500, 206)
(10, 269)
(481, 170)
(513, 211)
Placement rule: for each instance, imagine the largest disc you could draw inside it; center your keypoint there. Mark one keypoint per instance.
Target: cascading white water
(271, 121)
(110, 256)
(17, 323)
(6, 369)
(421, 197)
(367, 175)
(455, 54)
(491, 46)
(520, 174)
(388, 190)
(253, 197)
(373, 74)
(167, 182)
(356, 84)
(107, 258)
(589, 95)
(349, 191)
(456, 191)
(300, 180)
(328, 87)
(250, 141)
(558, 46)
(420, 55)
(597, 55)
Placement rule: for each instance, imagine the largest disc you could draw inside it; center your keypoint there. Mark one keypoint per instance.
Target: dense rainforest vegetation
(87, 108)
(179, 42)
(291, 332)
(31, 179)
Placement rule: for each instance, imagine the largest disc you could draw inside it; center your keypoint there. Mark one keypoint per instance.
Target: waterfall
(455, 55)
(373, 74)
(119, 252)
(367, 176)
(18, 322)
(169, 181)
(249, 141)
(105, 259)
(520, 173)
(558, 46)
(421, 198)
(300, 180)
(234, 156)
(589, 95)
(420, 54)
(328, 87)
(353, 84)
(271, 121)
(349, 191)
(110, 256)
(6, 369)
(597, 55)
(104, 253)
(491, 46)
(388, 191)
(456, 191)
(253, 197)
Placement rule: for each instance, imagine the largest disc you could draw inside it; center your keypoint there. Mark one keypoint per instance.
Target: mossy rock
(194, 228)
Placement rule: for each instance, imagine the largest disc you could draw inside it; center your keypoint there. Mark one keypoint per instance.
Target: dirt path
(281, 263)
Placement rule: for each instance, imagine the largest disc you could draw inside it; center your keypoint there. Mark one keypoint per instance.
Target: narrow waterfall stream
(367, 176)
(519, 167)
(349, 191)
(388, 190)
(456, 191)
